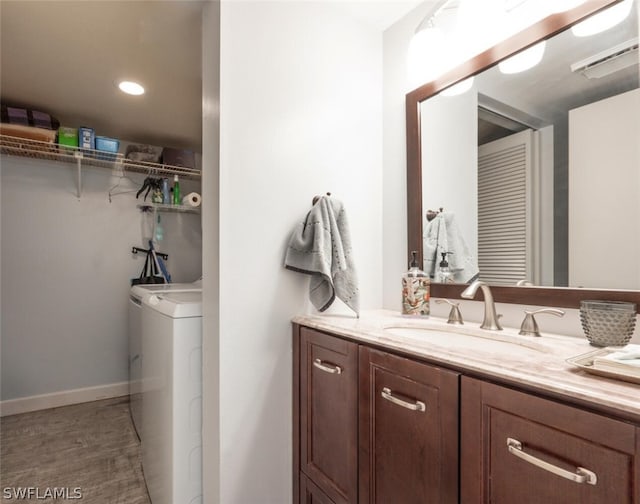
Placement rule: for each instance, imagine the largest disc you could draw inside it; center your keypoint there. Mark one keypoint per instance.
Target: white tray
(585, 361)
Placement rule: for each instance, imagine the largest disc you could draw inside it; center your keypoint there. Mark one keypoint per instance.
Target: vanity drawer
(329, 414)
(517, 447)
(408, 431)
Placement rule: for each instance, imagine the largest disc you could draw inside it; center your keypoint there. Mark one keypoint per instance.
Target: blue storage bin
(108, 145)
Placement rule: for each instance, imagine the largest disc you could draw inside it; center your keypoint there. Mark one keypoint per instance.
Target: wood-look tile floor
(92, 446)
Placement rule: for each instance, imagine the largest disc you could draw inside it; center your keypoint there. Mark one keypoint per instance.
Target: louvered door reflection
(504, 199)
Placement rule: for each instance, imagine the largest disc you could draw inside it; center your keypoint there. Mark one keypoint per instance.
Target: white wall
(211, 252)
(604, 209)
(450, 172)
(66, 268)
(300, 115)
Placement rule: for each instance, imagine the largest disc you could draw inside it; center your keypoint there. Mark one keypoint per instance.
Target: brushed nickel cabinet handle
(581, 475)
(415, 406)
(327, 368)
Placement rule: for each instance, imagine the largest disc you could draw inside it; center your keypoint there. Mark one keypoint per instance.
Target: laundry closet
(77, 221)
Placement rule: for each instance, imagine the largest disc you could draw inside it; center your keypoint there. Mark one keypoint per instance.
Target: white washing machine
(172, 396)
(137, 293)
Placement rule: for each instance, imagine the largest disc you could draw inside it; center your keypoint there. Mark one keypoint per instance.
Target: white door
(505, 224)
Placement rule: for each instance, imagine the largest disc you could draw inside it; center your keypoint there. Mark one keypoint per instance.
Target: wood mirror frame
(565, 297)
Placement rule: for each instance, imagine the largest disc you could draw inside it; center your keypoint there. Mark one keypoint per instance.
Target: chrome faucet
(490, 318)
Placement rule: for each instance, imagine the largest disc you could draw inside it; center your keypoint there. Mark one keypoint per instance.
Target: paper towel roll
(192, 199)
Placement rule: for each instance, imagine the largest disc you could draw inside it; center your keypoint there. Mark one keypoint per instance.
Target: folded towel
(624, 361)
(320, 246)
(442, 234)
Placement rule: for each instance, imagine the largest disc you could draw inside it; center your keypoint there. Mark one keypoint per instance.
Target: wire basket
(608, 323)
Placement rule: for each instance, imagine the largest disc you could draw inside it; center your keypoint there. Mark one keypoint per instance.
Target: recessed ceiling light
(130, 87)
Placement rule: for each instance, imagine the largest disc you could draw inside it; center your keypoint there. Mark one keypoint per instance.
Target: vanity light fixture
(130, 87)
(425, 57)
(523, 60)
(509, 5)
(603, 20)
(556, 6)
(459, 88)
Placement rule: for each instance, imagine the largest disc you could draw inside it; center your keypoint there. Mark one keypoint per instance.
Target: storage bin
(179, 157)
(107, 145)
(68, 136)
(143, 153)
(27, 117)
(86, 138)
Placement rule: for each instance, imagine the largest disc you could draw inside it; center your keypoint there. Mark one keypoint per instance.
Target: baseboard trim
(63, 398)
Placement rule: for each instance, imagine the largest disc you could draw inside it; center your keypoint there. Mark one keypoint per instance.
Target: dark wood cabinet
(373, 427)
(310, 493)
(329, 414)
(377, 428)
(408, 431)
(520, 448)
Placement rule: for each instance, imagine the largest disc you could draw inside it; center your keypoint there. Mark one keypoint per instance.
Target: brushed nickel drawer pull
(581, 475)
(328, 368)
(416, 406)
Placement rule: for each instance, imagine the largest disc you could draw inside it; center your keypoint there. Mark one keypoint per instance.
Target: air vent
(609, 61)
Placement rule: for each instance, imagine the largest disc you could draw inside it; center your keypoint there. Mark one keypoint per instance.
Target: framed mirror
(576, 197)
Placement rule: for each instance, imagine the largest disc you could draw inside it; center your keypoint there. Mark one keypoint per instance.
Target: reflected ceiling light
(523, 60)
(556, 6)
(130, 87)
(603, 20)
(459, 88)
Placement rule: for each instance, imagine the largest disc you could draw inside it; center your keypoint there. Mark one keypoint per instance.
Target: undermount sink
(465, 338)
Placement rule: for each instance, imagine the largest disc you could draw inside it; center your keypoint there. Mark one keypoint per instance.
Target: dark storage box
(178, 157)
(28, 117)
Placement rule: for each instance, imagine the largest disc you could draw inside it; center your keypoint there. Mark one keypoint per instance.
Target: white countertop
(531, 362)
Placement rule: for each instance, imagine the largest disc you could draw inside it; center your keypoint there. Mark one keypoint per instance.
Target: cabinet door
(408, 431)
(310, 493)
(329, 414)
(519, 448)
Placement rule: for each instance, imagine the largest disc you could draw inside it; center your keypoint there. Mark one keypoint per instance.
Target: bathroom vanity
(391, 410)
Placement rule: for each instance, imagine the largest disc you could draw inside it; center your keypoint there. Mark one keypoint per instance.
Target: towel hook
(316, 198)
(431, 214)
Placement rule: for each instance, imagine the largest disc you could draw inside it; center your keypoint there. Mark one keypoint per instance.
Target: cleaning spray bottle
(415, 290)
(177, 200)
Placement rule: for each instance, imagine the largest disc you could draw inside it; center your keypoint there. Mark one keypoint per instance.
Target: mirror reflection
(532, 174)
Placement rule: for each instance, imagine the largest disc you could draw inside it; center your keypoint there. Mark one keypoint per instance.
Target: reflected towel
(320, 246)
(442, 234)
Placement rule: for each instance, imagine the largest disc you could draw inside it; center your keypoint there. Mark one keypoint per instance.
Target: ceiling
(63, 57)
(549, 90)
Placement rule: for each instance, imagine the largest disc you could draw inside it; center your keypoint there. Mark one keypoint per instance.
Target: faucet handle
(455, 317)
(529, 325)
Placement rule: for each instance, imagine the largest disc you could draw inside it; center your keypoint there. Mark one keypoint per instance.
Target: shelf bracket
(78, 156)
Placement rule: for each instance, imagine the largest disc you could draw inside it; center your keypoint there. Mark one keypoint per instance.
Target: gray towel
(321, 247)
(442, 234)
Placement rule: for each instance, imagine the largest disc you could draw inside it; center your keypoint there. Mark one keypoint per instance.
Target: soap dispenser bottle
(415, 290)
(444, 272)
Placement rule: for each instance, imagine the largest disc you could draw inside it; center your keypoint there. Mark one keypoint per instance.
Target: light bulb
(603, 20)
(425, 59)
(523, 60)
